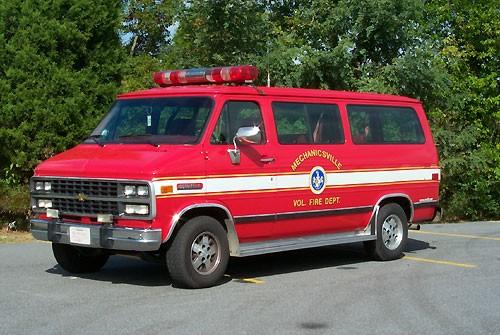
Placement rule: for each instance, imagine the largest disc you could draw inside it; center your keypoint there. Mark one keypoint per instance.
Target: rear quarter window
(384, 125)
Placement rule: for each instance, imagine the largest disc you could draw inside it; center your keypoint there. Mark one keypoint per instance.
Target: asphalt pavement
(447, 283)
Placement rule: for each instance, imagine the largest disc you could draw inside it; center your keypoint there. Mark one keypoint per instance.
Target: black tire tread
(376, 249)
(73, 259)
(177, 256)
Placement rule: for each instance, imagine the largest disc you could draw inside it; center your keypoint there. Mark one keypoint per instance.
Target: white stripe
(356, 178)
(374, 177)
(255, 183)
(241, 183)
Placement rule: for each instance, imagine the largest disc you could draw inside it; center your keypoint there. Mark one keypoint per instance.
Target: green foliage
(146, 25)
(14, 205)
(137, 72)
(219, 32)
(59, 69)
(146, 32)
(467, 125)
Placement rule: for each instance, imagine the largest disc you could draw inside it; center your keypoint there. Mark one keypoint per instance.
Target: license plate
(79, 235)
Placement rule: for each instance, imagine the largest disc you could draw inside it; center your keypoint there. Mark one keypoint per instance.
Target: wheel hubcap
(205, 253)
(392, 232)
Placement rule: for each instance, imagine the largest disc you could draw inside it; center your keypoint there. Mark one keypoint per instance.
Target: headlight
(44, 203)
(43, 186)
(142, 190)
(137, 209)
(134, 190)
(130, 190)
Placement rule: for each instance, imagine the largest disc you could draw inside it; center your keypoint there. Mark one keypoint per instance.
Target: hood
(118, 161)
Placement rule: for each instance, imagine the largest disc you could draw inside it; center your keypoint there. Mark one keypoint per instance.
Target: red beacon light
(215, 75)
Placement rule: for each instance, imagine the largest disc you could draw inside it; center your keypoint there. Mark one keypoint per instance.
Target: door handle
(267, 159)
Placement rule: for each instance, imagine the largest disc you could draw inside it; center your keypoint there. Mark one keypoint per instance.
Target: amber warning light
(215, 75)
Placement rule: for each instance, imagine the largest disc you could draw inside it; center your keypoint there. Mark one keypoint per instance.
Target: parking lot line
(252, 280)
(456, 235)
(436, 261)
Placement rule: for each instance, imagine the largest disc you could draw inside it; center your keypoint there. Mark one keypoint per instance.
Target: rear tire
(199, 253)
(79, 259)
(392, 234)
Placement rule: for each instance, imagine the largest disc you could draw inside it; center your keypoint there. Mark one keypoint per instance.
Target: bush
(14, 205)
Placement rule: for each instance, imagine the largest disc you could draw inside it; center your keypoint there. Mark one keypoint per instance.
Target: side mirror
(248, 135)
(244, 135)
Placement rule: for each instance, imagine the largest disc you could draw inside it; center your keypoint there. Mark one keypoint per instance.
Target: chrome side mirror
(244, 135)
(248, 135)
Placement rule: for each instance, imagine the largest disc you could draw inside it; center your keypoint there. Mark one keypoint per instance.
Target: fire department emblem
(317, 180)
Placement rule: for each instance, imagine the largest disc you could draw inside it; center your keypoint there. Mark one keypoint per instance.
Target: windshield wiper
(96, 138)
(148, 140)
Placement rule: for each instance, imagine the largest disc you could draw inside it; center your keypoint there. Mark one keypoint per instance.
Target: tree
(219, 32)
(341, 44)
(147, 24)
(60, 63)
(146, 33)
(467, 128)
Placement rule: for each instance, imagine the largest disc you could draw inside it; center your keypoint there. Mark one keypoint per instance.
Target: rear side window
(384, 125)
(304, 123)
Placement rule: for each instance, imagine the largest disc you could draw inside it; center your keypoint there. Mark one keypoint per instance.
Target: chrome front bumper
(101, 236)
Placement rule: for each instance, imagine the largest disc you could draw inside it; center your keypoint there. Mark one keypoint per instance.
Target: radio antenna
(267, 43)
(268, 73)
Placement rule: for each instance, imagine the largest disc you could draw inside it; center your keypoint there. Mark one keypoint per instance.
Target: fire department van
(208, 166)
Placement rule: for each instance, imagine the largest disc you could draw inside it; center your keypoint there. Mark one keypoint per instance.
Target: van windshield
(154, 121)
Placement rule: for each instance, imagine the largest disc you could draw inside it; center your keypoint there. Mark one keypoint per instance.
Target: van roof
(268, 91)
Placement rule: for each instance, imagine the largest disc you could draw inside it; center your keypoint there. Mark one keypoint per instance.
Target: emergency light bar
(214, 75)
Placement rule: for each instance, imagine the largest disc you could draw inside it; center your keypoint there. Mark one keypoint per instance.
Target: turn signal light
(166, 189)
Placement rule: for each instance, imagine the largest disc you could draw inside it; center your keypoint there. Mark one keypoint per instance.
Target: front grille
(92, 188)
(89, 207)
(88, 197)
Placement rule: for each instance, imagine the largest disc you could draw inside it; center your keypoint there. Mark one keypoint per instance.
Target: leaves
(60, 68)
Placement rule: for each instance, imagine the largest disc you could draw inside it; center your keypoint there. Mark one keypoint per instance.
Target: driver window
(236, 114)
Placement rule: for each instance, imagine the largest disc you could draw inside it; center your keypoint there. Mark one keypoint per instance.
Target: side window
(304, 123)
(384, 125)
(236, 114)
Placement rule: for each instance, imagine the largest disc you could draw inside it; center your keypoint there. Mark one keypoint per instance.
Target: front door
(245, 188)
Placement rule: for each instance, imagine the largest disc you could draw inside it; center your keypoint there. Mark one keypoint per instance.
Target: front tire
(79, 259)
(392, 233)
(199, 253)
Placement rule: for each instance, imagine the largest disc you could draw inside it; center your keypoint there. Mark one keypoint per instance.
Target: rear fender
(398, 198)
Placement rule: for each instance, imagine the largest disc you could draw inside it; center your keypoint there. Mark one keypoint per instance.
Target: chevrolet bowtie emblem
(81, 197)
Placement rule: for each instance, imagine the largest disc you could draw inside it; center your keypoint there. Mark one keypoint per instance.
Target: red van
(209, 166)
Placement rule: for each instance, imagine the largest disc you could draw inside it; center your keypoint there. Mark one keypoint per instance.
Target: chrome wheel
(205, 253)
(392, 232)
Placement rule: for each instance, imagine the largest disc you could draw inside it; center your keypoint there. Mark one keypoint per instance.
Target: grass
(7, 236)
